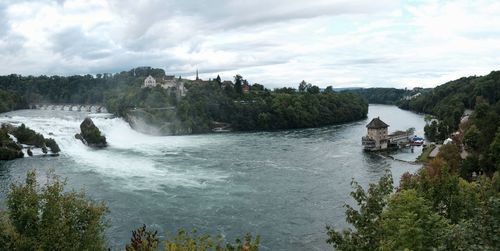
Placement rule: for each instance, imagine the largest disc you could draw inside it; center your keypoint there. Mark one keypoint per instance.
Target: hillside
(388, 96)
(207, 105)
(449, 101)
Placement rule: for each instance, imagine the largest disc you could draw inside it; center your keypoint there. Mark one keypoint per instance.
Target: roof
(376, 123)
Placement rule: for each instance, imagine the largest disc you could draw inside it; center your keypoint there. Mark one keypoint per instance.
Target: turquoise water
(285, 186)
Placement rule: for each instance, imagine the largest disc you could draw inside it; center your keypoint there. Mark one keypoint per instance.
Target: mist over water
(285, 185)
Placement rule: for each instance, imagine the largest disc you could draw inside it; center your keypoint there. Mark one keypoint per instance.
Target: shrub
(47, 218)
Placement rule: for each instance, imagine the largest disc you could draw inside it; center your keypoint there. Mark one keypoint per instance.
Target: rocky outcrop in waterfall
(14, 139)
(90, 135)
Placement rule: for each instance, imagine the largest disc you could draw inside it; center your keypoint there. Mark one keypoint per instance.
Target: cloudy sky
(274, 42)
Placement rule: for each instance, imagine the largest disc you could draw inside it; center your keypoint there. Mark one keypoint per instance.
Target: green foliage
(205, 103)
(448, 101)
(25, 135)
(437, 131)
(238, 84)
(366, 221)
(426, 151)
(184, 241)
(471, 138)
(265, 110)
(47, 218)
(143, 240)
(383, 95)
(451, 155)
(11, 101)
(494, 150)
(146, 240)
(410, 223)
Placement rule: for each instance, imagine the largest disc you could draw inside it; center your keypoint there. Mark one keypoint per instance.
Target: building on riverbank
(377, 137)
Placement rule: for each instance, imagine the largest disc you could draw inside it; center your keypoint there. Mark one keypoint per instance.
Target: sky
(342, 43)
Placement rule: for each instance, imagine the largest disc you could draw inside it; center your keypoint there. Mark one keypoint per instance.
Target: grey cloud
(73, 42)
(11, 44)
(4, 22)
(363, 61)
(227, 14)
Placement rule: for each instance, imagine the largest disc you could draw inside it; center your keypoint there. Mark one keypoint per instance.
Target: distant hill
(384, 95)
(448, 101)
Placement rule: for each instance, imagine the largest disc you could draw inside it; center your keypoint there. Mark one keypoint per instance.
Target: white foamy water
(130, 155)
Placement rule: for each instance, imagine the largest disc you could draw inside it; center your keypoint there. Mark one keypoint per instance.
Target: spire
(197, 74)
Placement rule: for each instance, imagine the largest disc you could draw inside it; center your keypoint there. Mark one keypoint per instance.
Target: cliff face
(91, 135)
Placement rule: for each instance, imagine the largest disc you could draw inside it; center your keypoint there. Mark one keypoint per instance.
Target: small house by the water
(377, 137)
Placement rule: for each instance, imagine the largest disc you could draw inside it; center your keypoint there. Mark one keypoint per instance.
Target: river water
(285, 186)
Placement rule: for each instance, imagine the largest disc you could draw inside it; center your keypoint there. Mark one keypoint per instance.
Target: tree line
(263, 109)
(206, 103)
(448, 102)
(387, 96)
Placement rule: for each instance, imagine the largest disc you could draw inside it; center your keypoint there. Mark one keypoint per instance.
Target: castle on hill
(169, 82)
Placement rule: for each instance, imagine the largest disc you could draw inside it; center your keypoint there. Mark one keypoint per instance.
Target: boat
(416, 141)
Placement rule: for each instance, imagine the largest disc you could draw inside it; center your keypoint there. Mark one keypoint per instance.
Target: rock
(51, 143)
(9, 149)
(25, 135)
(10, 154)
(90, 134)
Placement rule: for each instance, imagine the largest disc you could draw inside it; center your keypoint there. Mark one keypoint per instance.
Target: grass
(424, 157)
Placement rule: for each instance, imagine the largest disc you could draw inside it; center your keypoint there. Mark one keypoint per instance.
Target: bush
(146, 240)
(47, 218)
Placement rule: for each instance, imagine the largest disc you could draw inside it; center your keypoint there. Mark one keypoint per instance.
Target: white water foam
(134, 160)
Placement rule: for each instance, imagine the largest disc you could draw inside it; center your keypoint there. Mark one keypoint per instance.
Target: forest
(387, 96)
(262, 109)
(207, 104)
(447, 102)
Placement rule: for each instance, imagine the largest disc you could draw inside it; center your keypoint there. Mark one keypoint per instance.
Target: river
(285, 186)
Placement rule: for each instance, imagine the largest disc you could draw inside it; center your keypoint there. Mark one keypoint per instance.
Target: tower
(197, 74)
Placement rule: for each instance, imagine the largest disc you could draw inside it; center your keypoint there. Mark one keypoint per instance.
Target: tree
(451, 155)
(48, 218)
(471, 138)
(409, 223)
(494, 151)
(366, 221)
(313, 89)
(302, 86)
(238, 84)
(329, 89)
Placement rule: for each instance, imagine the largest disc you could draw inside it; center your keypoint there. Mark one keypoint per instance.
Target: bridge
(70, 107)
